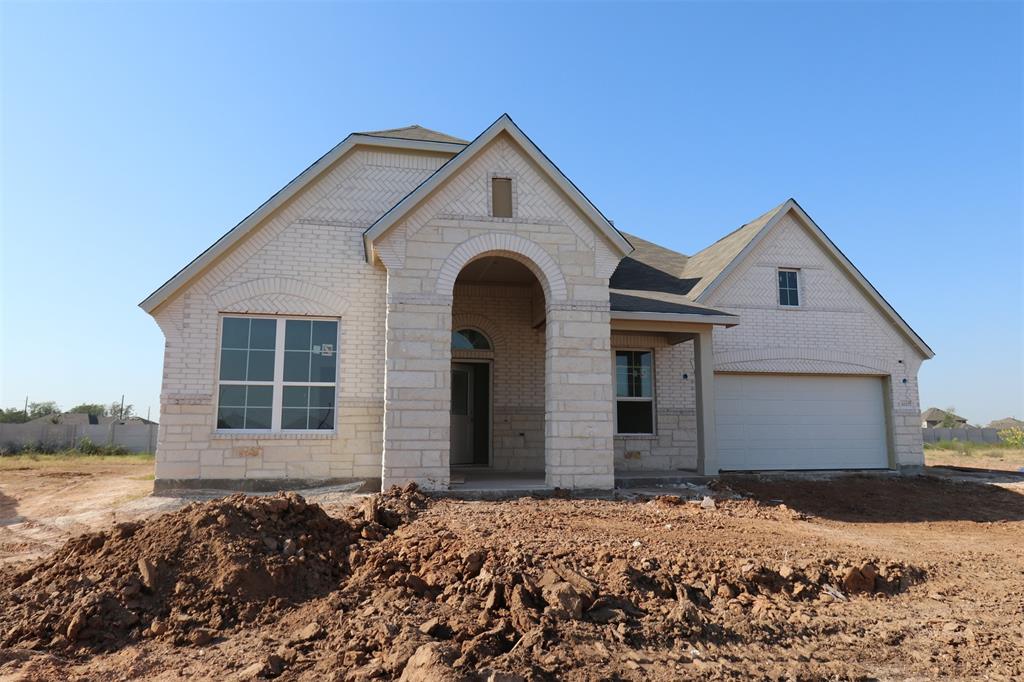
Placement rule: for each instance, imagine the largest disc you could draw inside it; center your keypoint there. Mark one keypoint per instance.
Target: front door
(470, 417)
(462, 414)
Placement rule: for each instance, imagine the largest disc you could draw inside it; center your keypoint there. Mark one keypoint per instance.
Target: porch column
(416, 391)
(704, 368)
(578, 448)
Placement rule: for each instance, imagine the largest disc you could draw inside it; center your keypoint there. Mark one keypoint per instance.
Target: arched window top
(470, 339)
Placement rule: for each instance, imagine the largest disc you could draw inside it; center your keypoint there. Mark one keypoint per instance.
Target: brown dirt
(802, 580)
(44, 502)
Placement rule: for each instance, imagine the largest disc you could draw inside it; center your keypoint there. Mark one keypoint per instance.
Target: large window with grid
(277, 374)
(634, 392)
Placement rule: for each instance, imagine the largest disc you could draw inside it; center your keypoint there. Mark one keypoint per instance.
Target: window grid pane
(248, 350)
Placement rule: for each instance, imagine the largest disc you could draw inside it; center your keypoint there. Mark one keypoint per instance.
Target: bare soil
(45, 500)
(847, 579)
(996, 459)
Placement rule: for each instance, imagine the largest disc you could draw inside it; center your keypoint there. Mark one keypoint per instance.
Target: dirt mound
(190, 574)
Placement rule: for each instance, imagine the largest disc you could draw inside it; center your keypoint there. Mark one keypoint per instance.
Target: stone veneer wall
(424, 254)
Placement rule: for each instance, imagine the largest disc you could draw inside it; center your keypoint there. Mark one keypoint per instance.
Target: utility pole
(121, 416)
(26, 405)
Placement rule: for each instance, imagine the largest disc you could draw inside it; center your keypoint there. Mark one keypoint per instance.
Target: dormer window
(789, 290)
(501, 197)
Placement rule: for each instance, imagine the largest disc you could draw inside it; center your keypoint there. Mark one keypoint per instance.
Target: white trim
(837, 255)
(504, 124)
(297, 184)
(723, 320)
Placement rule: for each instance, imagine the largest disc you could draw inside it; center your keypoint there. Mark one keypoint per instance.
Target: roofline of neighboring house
(251, 221)
(504, 124)
(837, 255)
(721, 320)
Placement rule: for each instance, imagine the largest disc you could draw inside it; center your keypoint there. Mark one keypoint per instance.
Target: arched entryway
(497, 372)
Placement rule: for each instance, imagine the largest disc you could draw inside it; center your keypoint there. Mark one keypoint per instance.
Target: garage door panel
(769, 422)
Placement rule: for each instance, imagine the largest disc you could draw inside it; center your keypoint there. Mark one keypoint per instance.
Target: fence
(134, 437)
(973, 435)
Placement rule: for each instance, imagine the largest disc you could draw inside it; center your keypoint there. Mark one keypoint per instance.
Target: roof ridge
(420, 132)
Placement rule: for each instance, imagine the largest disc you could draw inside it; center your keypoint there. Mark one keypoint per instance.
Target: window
(501, 197)
(469, 339)
(634, 392)
(277, 374)
(788, 289)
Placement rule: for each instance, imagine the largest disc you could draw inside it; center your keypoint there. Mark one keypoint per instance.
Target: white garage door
(772, 421)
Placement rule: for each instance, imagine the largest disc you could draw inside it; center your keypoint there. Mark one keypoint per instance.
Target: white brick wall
(307, 259)
(835, 330)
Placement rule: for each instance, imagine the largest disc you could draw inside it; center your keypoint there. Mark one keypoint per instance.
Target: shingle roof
(934, 414)
(415, 132)
(704, 266)
(1008, 423)
(651, 267)
(658, 302)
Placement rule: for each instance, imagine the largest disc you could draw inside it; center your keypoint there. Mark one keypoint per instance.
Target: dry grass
(980, 456)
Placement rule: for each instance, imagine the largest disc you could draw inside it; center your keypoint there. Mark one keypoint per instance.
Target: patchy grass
(41, 460)
(974, 455)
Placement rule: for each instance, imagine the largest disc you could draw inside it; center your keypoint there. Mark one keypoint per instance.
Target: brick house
(418, 307)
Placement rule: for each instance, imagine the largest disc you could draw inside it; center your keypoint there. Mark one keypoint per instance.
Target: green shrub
(1014, 437)
(87, 447)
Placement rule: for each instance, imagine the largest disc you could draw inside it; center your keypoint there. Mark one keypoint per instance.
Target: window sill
(275, 435)
(636, 436)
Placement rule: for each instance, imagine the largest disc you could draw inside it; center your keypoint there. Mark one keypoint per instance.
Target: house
(417, 307)
(933, 418)
(1008, 423)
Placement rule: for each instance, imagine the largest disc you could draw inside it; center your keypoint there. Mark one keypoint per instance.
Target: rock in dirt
(708, 503)
(563, 600)
(147, 569)
(862, 579)
(430, 663)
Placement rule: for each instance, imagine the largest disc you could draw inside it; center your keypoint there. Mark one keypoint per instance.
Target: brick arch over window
(804, 359)
(511, 246)
(482, 324)
(280, 295)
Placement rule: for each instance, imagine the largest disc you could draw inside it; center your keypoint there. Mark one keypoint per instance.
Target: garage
(798, 422)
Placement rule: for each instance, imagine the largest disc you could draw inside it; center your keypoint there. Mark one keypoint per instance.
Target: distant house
(83, 419)
(1007, 423)
(933, 417)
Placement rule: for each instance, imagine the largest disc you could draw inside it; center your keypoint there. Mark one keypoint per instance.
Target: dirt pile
(190, 574)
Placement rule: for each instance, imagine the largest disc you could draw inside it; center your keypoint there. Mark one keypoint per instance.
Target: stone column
(578, 447)
(704, 368)
(416, 391)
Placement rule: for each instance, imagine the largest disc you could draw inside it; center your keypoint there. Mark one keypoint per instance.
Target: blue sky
(135, 134)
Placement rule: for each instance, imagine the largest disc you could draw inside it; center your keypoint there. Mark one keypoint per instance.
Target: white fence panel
(134, 437)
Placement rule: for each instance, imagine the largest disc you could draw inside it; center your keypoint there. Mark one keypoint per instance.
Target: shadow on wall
(866, 499)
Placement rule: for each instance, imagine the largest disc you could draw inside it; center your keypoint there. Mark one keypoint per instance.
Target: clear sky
(135, 134)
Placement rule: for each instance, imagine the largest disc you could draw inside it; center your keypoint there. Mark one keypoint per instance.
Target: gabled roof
(722, 257)
(1007, 423)
(254, 219)
(708, 264)
(934, 414)
(415, 132)
(506, 125)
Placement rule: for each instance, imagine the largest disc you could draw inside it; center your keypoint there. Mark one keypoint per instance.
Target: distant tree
(97, 409)
(13, 416)
(949, 418)
(119, 413)
(36, 410)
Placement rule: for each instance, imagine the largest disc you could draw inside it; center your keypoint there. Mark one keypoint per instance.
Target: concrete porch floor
(487, 483)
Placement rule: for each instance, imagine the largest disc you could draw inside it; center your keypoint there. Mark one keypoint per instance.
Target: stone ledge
(263, 485)
(249, 435)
